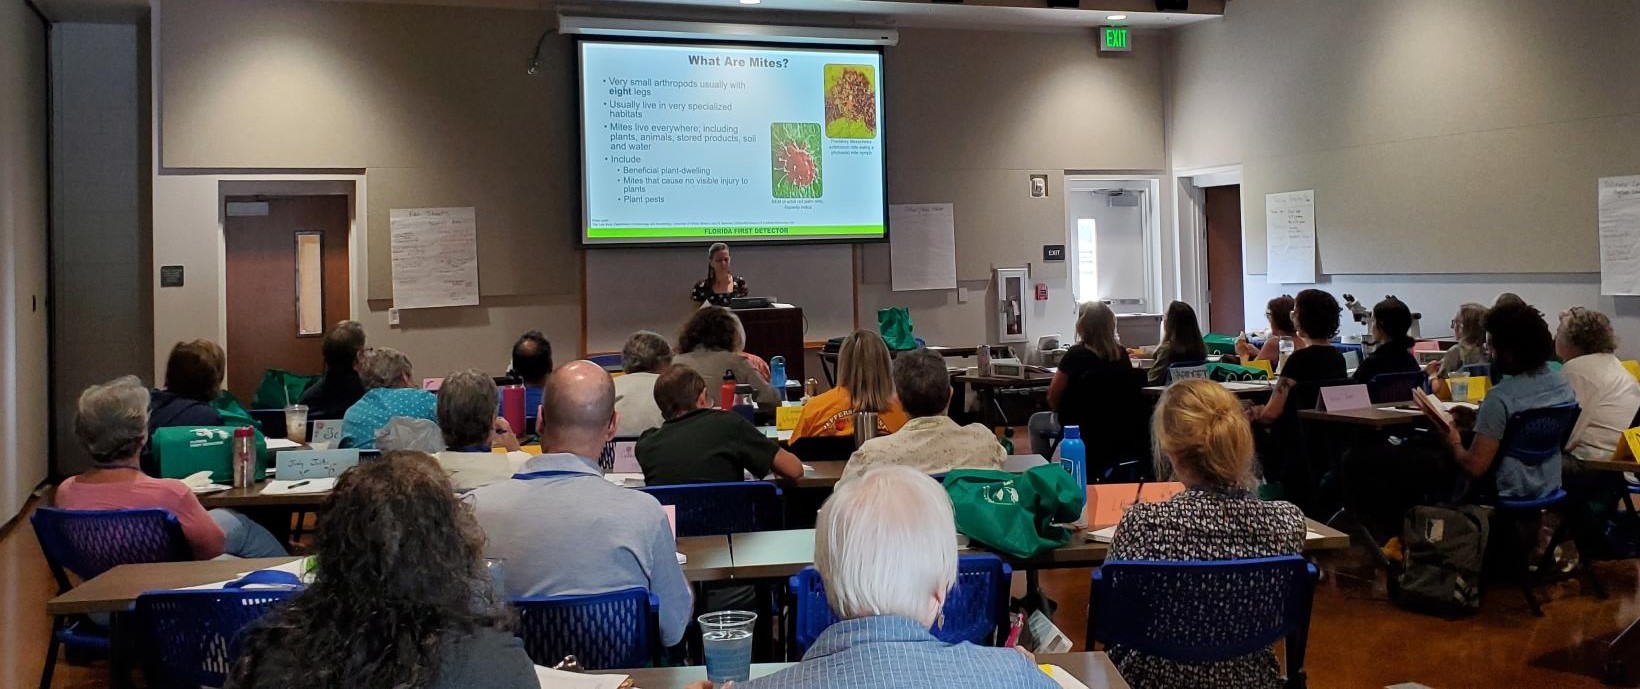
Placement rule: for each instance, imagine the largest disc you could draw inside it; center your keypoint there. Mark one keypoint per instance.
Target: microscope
(1363, 315)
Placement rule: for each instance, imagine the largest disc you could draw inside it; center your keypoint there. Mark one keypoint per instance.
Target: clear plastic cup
(726, 638)
(296, 423)
(1459, 387)
(496, 567)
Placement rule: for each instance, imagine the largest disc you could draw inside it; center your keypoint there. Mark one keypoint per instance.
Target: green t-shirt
(704, 446)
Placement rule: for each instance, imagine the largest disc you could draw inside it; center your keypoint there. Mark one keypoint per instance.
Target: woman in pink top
(112, 423)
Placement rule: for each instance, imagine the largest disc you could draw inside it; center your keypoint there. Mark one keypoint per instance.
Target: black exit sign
(1053, 252)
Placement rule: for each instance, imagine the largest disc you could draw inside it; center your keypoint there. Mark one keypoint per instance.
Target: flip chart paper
(1289, 221)
(923, 246)
(435, 257)
(1620, 235)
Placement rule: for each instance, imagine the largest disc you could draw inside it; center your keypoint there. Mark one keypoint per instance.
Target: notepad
(282, 444)
(558, 679)
(302, 487)
(1062, 677)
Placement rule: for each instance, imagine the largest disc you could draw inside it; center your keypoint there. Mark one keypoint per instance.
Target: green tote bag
(894, 324)
(1016, 514)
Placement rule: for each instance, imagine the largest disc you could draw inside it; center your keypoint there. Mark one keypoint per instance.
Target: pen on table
(297, 484)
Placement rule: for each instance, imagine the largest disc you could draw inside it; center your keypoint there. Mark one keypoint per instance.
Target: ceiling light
(1114, 17)
(750, 2)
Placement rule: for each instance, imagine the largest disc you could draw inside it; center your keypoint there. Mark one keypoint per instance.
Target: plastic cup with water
(296, 423)
(726, 638)
(1458, 385)
(496, 567)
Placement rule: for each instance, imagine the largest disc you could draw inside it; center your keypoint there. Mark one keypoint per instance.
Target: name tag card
(1107, 502)
(1628, 447)
(1345, 398)
(327, 432)
(626, 458)
(294, 465)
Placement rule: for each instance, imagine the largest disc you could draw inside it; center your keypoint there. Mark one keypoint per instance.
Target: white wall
(100, 243)
(23, 299)
(1454, 146)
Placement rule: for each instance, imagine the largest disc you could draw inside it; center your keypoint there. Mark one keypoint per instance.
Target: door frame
(1191, 228)
(1155, 247)
(351, 186)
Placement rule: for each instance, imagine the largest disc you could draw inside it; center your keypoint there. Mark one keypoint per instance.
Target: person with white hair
(886, 546)
(390, 391)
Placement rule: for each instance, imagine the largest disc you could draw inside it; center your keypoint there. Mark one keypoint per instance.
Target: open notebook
(558, 679)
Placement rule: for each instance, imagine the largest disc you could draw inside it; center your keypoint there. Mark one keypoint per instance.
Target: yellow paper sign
(1629, 449)
(1477, 388)
(1633, 367)
(785, 418)
(1262, 365)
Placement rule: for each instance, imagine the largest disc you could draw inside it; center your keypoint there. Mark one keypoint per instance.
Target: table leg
(120, 649)
(1623, 657)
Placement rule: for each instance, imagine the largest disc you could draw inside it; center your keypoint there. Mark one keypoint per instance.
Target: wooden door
(1226, 313)
(265, 328)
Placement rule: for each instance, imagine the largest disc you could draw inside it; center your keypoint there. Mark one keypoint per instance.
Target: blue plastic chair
(975, 611)
(88, 543)
(716, 509)
(609, 362)
(603, 631)
(192, 638)
(1533, 437)
(1385, 388)
(1204, 612)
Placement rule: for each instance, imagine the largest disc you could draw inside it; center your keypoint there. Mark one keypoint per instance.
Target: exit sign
(1115, 39)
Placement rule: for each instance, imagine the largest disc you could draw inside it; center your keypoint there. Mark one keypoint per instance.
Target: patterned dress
(1206, 524)
(703, 293)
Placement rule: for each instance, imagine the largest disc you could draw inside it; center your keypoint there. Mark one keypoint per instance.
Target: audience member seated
(864, 383)
(711, 342)
(1314, 359)
(1470, 350)
(400, 595)
(193, 377)
(1521, 349)
(885, 547)
(645, 355)
(930, 441)
(531, 362)
(699, 444)
(1392, 351)
(390, 391)
(1096, 388)
(1279, 313)
(563, 529)
(111, 423)
(1205, 441)
(466, 416)
(340, 387)
(1181, 341)
(1605, 390)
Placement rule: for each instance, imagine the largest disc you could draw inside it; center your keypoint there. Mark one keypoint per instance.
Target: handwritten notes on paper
(923, 246)
(435, 257)
(1620, 235)
(1289, 220)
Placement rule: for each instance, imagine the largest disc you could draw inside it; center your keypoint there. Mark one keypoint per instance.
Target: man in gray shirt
(563, 529)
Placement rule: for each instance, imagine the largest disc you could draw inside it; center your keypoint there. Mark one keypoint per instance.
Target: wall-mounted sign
(170, 276)
(1052, 253)
(1115, 39)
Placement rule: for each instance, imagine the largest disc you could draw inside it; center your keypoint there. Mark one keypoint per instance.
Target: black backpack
(1444, 546)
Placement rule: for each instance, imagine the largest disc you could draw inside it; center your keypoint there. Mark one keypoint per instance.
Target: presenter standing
(720, 286)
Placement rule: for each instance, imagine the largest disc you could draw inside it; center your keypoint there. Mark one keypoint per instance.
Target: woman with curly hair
(710, 343)
(1607, 392)
(400, 597)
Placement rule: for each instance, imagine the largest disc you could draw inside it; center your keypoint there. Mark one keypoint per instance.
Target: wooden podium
(776, 332)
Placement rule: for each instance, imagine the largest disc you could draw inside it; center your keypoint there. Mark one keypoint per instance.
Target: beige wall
(23, 300)
(433, 106)
(1462, 136)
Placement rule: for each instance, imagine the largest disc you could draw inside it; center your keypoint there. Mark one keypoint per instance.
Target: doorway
(1114, 252)
(1226, 309)
(286, 260)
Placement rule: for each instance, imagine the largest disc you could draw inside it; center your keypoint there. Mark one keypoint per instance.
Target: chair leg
(1527, 531)
(51, 653)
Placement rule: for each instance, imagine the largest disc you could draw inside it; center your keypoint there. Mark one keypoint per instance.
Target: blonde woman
(865, 382)
(1204, 441)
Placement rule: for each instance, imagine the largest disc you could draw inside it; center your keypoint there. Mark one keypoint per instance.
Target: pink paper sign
(1345, 398)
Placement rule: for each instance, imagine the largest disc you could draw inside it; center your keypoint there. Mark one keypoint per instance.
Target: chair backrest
(603, 631)
(88, 543)
(609, 362)
(1394, 387)
(975, 611)
(1203, 612)
(715, 509)
(822, 448)
(1185, 370)
(1535, 436)
(192, 638)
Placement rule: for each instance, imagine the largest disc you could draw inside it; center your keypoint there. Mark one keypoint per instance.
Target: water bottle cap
(743, 389)
(1073, 432)
(243, 432)
(728, 374)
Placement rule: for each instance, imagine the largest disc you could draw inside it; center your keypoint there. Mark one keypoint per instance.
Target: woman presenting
(720, 286)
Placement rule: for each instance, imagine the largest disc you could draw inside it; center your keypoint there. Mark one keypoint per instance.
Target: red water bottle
(726, 391)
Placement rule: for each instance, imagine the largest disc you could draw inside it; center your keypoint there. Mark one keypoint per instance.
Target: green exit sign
(1114, 39)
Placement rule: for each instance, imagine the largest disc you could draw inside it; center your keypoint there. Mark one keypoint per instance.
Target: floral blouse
(703, 293)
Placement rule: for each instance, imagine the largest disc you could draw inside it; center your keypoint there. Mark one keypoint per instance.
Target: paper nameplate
(785, 418)
(1477, 388)
(327, 432)
(1345, 397)
(626, 457)
(1107, 502)
(432, 384)
(1633, 367)
(671, 518)
(1629, 449)
(1261, 364)
(300, 464)
(1352, 360)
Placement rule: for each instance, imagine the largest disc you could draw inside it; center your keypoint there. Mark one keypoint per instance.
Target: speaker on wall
(1172, 5)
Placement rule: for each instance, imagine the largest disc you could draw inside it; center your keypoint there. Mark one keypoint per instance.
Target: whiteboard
(435, 257)
(1289, 221)
(1620, 235)
(923, 246)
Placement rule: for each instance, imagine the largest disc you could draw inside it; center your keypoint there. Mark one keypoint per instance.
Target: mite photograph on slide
(688, 143)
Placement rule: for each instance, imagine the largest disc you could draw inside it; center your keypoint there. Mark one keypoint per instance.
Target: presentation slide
(700, 143)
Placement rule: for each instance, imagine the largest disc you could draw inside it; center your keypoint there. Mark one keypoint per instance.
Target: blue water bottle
(1073, 456)
(777, 375)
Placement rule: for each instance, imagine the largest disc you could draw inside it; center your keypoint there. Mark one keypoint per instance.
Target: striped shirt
(892, 651)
